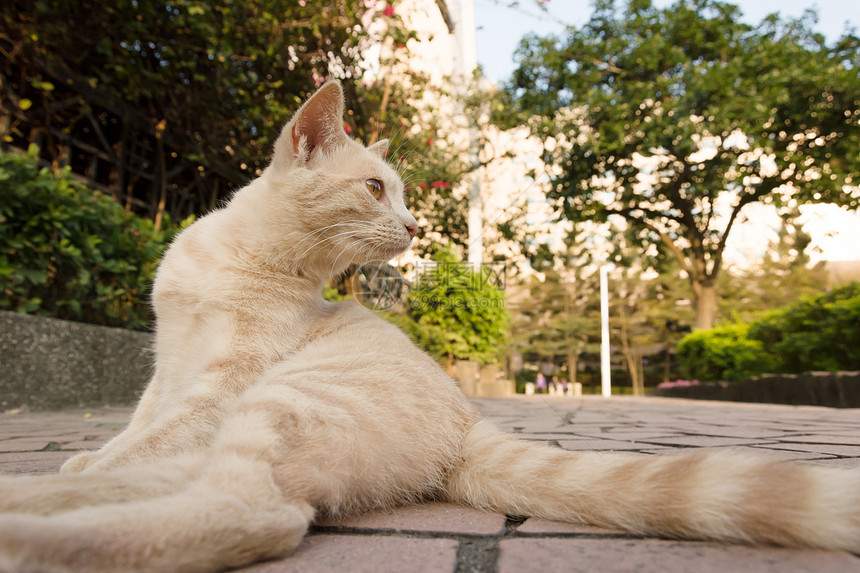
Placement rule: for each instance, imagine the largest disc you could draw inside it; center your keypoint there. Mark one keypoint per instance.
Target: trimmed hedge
(723, 353)
(70, 252)
(813, 334)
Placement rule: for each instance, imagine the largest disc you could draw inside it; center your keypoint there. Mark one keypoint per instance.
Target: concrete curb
(50, 364)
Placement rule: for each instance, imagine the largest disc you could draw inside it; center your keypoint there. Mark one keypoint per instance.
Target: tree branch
(763, 189)
(664, 237)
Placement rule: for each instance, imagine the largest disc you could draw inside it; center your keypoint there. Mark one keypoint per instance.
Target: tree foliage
(814, 333)
(69, 252)
(559, 320)
(780, 278)
(219, 75)
(219, 79)
(677, 118)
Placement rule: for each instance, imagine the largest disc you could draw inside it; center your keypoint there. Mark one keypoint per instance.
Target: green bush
(814, 333)
(461, 313)
(723, 353)
(69, 252)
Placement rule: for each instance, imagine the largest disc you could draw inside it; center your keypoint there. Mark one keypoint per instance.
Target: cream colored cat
(269, 405)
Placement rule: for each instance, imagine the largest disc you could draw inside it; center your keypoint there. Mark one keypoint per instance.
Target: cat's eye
(374, 186)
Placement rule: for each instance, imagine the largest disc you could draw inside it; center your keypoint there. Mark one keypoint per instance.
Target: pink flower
(346, 128)
(389, 10)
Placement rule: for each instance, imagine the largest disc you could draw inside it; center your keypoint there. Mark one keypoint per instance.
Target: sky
(500, 27)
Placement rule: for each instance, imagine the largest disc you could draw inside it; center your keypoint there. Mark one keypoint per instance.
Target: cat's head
(344, 199)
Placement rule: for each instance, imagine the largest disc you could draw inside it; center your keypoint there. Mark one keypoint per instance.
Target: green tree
(781, 277)
(218, 79)
(677, 118)
(559, 320)
(647, 311)
(222, 76)
(464, 304)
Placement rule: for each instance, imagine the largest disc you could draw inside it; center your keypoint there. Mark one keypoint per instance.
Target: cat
(269, 406)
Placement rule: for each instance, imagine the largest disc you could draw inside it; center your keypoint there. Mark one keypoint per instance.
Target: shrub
(70, 252)
(814, 333)
(463, 313)
(723, 353)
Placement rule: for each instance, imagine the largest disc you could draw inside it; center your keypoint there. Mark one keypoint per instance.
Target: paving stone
(840, 462)
(836, 450)
(541, 426)
(27, 444)
(601, 445)
(365, 554)
(743, 432)
(440, 517)
(554, 436)
(658, 556)
(823, 439)
(32, 462)
(783, 454)
(629, 434)
(426, 537)
(702, 441)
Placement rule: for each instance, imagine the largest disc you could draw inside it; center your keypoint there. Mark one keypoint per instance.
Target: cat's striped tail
(706, 494)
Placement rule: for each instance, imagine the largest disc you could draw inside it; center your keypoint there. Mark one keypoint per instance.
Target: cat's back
(351, 335)
(369, 361)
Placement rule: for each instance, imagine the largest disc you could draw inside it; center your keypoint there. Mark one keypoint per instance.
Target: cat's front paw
(78, 462)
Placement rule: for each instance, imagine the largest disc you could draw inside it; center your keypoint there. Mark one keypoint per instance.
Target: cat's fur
(269, 405)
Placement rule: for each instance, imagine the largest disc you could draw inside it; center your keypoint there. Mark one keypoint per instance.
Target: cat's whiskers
(320, 242)
(359, 242)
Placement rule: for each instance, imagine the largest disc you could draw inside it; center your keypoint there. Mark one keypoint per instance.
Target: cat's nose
(411, 228)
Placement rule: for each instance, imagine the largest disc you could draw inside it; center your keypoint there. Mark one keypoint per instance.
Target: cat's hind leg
(231, 515)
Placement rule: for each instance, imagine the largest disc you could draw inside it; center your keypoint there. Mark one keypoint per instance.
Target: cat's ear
(380, 148)
(317, 126)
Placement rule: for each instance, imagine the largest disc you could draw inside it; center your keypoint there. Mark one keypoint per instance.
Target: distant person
(540, 383)
(555, 385)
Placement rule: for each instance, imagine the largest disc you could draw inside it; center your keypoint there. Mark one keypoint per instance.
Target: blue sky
(499, 27)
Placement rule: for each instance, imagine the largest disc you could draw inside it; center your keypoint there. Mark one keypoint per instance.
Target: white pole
(605, 383)
(468, 50)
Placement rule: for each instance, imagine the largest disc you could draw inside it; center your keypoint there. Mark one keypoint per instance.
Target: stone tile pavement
(440, 537)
